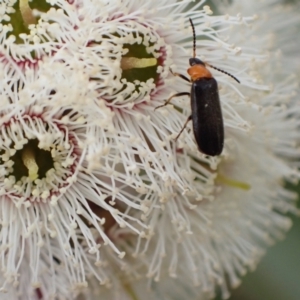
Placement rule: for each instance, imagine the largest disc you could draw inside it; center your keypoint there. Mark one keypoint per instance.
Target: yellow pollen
(26, 12)
(30, 163)
(233, 183)
(128, 63)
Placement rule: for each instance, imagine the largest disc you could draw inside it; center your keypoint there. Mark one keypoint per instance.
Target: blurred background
(277, 276)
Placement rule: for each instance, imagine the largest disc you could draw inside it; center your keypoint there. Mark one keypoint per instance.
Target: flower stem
(26, 12)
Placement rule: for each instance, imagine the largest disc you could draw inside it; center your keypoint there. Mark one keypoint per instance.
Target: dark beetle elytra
(206, 114)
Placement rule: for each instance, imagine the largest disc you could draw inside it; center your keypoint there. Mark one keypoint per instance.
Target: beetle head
(196, 61)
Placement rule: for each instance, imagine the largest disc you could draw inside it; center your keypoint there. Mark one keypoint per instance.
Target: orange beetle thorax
(198, 71)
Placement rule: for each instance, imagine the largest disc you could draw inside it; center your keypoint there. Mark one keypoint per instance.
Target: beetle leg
(180, 75)
(173, 96)
(186, 122)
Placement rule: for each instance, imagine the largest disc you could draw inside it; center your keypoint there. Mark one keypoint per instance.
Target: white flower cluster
(96, 197)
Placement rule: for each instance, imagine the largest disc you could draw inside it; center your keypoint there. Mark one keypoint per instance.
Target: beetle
(206, 110)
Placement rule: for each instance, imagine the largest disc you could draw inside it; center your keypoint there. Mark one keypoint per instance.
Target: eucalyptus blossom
(96, 191)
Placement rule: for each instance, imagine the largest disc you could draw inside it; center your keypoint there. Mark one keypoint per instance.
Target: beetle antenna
(220, 70)
(194, 38)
